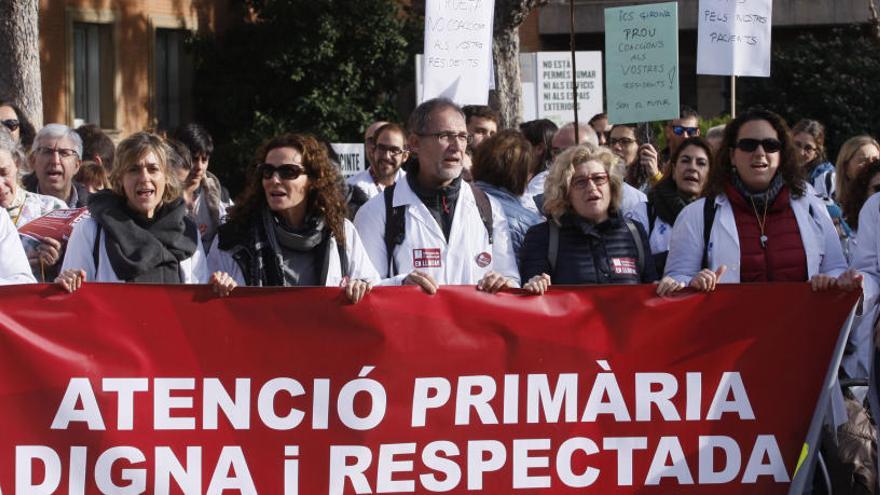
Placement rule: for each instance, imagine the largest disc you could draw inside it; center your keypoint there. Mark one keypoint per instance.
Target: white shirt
(463, 260)
(866, 259)
(14, 266)
(364, 181)
(193, 270)
(359, 264)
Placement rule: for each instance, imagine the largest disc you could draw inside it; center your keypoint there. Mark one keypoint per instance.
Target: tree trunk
(875, 19)
(20, 57)
(508, 86)
(509, 15)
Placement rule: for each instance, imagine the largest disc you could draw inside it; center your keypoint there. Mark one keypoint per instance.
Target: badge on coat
(483, 259)
(426, 258)
(624, 266)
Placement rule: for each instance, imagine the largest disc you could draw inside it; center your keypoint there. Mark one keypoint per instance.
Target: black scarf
(667, 201)
(257, 250)
(140, 249)
(441, 202)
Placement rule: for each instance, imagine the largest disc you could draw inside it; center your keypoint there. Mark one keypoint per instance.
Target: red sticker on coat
(426, 258)
(483, 259)
(624, 266)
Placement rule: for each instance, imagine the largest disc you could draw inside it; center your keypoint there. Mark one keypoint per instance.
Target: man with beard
(387, 156)
(411, 231)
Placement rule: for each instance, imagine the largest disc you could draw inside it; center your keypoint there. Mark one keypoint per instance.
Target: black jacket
(588, 254)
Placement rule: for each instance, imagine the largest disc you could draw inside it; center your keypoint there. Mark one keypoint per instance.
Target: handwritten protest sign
(555, 99)
(641, 47)
(352, 157)
(734, 38)
(458, 48)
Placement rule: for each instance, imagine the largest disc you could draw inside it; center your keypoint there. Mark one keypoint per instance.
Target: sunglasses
(749, 145)
(11, 124)
(691, 131)
(285, 172)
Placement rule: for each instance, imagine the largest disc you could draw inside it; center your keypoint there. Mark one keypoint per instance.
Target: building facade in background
(548, 30)
(121, 64)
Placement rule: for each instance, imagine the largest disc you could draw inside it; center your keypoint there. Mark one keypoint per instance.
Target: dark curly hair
(859, 193)
(792, 175)
(324, 196)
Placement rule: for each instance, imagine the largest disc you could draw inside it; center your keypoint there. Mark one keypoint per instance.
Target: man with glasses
(388, 155)
(370, 140)
(677, 130)
(55, 159)
(432, 228)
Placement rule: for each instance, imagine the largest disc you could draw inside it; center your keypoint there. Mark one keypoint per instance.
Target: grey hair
(58, 131)
(9, 145)
(420, 118)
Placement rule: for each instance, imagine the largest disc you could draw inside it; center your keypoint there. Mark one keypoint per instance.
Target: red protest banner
(132, 389)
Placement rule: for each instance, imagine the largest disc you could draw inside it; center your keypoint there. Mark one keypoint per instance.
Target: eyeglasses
(749, 145)
(581, 182)
(691, 131)
(624, 141)
(11, 124)
(62, 152)
(392, 150)
(447, 137)
(809, 148)
(285, 172)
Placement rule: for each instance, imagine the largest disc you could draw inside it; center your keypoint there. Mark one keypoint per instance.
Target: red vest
(784, 258)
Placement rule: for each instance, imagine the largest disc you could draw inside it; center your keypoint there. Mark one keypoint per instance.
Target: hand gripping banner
(158, 389)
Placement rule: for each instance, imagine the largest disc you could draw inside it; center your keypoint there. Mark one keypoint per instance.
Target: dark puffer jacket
(588, 254)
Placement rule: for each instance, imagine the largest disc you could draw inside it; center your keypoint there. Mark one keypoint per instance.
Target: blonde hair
(847, 151)
(556, 189)
(131, 150)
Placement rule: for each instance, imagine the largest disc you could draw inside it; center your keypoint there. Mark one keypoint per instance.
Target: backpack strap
(553, 245)
(96, 247)
(640, 246)
(652, 216)
(828, 184)
(485, 208)
(343, 259)
(395, 227)
(709, 208)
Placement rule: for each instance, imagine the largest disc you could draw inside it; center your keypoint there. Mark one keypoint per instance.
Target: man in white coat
(444, 238)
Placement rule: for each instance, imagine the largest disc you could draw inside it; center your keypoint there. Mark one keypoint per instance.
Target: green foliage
(323, 66)
(832, 78)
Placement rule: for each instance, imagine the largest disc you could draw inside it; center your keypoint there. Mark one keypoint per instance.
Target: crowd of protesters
(451, 198)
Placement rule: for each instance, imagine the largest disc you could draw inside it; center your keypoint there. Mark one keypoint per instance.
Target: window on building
(93, 74)
(174, 79)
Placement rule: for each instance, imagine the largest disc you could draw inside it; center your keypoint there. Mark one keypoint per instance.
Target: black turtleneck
(440, 202)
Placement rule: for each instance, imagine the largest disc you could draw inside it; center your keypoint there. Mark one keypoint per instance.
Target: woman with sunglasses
(586, 240)
(17, 123)
(763, 224)
(138, 231)
(290, 228)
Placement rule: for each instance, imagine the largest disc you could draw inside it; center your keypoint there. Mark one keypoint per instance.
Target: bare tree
(509, 16)
(20, 57)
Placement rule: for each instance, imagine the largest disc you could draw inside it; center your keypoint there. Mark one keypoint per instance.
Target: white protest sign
(734, 38)
(554, 85)
(352, 157)
(458, 49)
